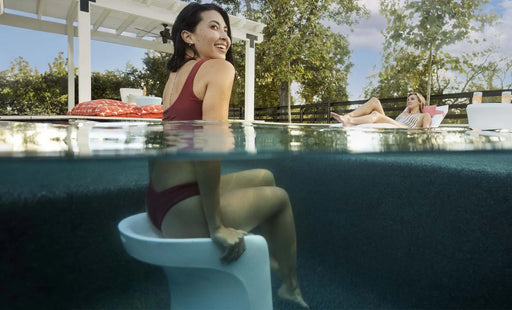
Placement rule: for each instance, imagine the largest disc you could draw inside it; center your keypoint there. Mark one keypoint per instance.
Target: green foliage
(155, 73)
(153, 77)
(25, 91)
(298, 47)
(238, 94)
(414, 52)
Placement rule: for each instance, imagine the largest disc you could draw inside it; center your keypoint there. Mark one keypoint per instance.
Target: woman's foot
(344, 119)
(336, 116)
(293, 295)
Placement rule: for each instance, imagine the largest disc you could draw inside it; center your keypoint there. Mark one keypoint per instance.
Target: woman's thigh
(245, 179)
(247, 208)
(243, 208)
(185, 220)
(389, 120)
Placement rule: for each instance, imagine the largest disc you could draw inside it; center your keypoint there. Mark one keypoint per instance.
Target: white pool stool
(197, 278)
(489, 116)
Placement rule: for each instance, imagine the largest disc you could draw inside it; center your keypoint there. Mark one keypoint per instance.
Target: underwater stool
(197, 278)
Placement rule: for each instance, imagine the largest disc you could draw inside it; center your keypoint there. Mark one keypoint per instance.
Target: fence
(319, 113)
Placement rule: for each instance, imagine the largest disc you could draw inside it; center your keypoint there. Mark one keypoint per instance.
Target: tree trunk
(285, 101)
(248, 9)
(429, 84)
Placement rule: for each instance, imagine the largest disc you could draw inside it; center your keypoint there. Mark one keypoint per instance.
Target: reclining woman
(372, 112)
(188, 199)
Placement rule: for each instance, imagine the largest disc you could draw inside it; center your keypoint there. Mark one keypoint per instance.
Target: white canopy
(119, 22)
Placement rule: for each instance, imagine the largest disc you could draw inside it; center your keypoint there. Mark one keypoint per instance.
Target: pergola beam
(138, 9)
(134, 42)
(40, 8)
(100, 20)
(32, 23)
(71, 15)
(127, 23)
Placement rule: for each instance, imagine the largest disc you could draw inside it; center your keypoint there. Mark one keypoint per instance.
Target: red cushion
(151, 111)
(105, 107)
(115, 108)
(430, 109)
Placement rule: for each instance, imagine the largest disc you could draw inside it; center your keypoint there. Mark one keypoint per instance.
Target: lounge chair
(129, 94)
(437, 119)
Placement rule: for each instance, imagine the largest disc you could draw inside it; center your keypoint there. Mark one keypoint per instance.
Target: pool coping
(107, 118)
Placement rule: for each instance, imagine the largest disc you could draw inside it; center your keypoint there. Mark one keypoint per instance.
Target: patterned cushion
(115, 108)
(151, 111)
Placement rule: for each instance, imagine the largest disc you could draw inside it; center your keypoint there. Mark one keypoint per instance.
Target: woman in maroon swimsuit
(192, 199)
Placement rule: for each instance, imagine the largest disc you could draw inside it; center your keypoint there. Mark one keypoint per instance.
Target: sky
(40, 48)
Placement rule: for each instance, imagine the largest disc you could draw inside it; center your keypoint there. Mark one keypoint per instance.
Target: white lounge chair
(437, 119)
(129, 94)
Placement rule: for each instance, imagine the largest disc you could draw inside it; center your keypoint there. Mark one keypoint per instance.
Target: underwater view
(385, 218)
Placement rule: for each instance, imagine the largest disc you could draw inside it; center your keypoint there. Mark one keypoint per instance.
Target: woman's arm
(426, 120)
(208, 178)
(219, 82)
(220, 75)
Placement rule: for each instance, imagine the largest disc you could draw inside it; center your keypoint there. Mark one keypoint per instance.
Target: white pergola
(118, 22)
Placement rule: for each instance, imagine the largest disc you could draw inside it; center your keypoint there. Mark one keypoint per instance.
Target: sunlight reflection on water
(200, 139)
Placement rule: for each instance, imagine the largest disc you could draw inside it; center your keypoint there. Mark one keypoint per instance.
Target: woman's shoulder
(218, 66)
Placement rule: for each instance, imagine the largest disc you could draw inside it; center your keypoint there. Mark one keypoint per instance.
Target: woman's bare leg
(341, 118)
(245, 207)
(249, 178)
(246, 178)
(369, 107)
(270, 208)
(375, 117)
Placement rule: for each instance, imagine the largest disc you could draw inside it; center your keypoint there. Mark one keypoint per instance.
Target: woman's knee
(375, 100)
(375, 116)
(266, 177)
(281, 195)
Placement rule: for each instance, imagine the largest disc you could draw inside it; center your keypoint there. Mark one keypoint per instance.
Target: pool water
(386, 218)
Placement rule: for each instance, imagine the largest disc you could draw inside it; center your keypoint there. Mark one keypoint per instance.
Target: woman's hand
(233, 242)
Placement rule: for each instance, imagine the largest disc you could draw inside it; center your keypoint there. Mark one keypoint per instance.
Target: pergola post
(71, 66)
(84, 52)
(250, 65)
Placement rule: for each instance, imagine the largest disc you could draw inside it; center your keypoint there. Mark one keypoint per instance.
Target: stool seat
(197, 278)
(489, 116)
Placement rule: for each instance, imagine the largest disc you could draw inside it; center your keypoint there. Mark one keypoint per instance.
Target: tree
(420, 30)
(153, 76)
(299, 47)
(23, 90)
(26, 91)
(155, 73)
(107, 85)
(14, 79)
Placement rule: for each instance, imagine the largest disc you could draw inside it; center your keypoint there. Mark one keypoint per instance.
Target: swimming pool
(386, 218)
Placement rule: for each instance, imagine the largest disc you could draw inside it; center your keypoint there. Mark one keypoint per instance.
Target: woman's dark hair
(187, 20)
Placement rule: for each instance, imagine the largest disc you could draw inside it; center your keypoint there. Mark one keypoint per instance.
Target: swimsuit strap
(189, 82)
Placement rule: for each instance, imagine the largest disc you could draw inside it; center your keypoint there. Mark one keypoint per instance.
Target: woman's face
(413, 102)
(211, 36)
